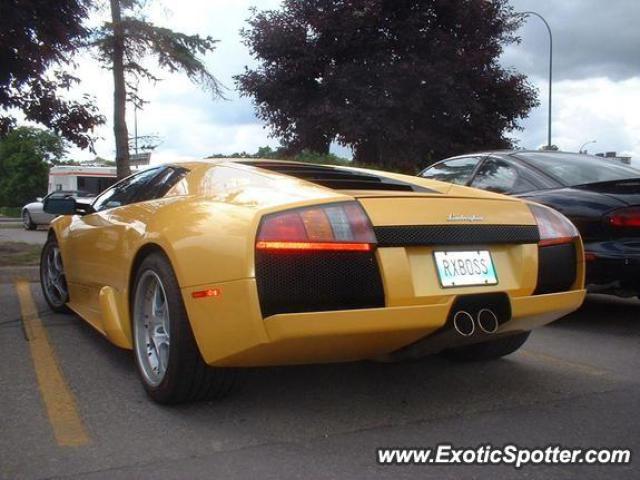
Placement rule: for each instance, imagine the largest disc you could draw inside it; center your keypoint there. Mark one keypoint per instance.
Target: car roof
(512, 152)
(214, 160)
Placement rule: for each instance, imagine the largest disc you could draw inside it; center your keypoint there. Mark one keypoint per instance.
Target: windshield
(579, 169)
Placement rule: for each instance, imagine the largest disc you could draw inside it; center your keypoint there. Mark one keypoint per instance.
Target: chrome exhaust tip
(487, 321)
(463, 323)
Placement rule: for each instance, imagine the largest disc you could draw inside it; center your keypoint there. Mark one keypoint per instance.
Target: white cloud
(193, 125)
(189, 121)
(583, 110)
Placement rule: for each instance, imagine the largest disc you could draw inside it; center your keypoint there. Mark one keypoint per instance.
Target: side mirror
(60, 206)
(66, 206)
(38, 199)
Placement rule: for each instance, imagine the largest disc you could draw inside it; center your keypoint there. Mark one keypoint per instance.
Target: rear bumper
(231, 333)
(613, 262)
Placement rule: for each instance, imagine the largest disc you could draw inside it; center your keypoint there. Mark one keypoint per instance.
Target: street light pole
(585, 144)
(550, 68)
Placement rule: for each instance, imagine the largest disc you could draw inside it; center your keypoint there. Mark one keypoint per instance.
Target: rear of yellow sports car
(385, 272)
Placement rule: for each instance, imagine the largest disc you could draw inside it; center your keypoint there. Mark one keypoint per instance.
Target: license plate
(463, 269)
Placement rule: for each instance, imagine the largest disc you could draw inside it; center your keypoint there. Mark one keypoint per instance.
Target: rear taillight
(554, 228)
(333, 227)
(624, 217)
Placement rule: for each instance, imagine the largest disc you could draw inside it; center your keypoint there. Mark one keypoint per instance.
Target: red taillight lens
(554, 227)
(336, 227)
(625, 217)
(286, 225)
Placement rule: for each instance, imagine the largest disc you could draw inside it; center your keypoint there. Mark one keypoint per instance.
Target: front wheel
(27, 222)
(488, 350)
(52, 277)
(166, 355)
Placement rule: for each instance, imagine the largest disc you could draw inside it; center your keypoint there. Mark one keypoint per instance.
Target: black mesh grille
(399, 236)
(556, 268)
(291, 282)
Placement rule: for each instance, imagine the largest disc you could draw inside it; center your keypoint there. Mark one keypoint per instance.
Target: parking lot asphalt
(14, 232)
(575, 384)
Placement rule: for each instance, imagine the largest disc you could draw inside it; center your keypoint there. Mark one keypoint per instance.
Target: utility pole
(135, 126)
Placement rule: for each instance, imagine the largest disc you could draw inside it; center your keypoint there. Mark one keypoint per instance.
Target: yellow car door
(96, 241)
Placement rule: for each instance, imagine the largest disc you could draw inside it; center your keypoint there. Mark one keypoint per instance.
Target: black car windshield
(578, 169)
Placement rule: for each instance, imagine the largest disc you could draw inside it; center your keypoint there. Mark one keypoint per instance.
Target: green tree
(25, 156)
(38, 39)
(403, 82)
(125, 42)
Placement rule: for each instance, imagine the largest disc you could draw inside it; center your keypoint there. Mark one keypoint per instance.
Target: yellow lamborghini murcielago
(205, 267)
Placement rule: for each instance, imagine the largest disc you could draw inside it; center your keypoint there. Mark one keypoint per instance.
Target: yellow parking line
(561, 362)
(59, 401)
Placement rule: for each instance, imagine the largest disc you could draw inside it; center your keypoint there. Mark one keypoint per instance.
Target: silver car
(33, 214)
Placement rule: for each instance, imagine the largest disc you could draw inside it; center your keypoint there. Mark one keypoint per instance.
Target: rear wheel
(27, 222)
(488, 350)
(52, 277)
(168, 360)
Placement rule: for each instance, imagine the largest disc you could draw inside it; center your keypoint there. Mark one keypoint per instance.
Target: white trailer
(87, 179)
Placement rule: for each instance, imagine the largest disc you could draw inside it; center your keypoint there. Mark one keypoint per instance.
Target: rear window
(338, 178)
(456, 170)
(578, 169)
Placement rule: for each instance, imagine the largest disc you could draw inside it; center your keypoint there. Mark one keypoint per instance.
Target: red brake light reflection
(344, 247)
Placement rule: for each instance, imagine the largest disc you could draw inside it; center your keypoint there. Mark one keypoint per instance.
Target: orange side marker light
(210, 292)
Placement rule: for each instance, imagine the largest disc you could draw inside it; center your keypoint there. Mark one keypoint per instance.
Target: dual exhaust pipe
(465, 324)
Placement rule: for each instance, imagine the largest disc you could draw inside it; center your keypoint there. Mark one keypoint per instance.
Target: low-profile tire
(165, 351)
(488, 350)
(52, 277)
(27, 222)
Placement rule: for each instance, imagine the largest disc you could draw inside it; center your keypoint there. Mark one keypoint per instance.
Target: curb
(12, 274)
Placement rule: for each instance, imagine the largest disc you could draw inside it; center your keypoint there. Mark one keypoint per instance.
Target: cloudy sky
(596, 89)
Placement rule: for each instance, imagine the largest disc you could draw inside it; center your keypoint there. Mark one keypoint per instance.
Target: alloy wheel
(151, 327)
(54, 280)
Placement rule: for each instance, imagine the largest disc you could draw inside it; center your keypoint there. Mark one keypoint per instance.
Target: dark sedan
(600, 196)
